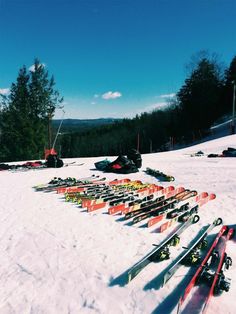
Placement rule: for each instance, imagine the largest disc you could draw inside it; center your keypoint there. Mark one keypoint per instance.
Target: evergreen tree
(230, 80)
(44, 99)
(231, 72)
(16, 137)
(200, 97)
(25, 114)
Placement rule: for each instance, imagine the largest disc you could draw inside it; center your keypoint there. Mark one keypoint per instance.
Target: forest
(206, 96)
(26, 116)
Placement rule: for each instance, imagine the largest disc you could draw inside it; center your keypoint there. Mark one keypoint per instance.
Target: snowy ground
(57, 258)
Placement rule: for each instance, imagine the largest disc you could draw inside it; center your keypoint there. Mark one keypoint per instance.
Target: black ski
(191, 256)
(161, 252)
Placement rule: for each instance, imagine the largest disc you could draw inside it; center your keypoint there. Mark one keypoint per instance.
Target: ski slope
(56, 258)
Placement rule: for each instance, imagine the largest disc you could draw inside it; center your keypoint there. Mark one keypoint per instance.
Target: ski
(99, 185)
(57, 182)
(98, 196)
(158, 193)
(145, 198)
(157, 210)
(159, 175)
(80, 186)
(132, 188)
(191, 256)
(184, 213)
(219, 282)
(167, 195)
(90, 191)
(102, 203)
(73, 164)
(170, 195)
(173, 213)
(161, 251)
(108, 201)
(201, 267)
(139, 196)
(92, 185)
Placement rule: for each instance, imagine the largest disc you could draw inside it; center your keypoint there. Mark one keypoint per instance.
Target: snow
(57, 258)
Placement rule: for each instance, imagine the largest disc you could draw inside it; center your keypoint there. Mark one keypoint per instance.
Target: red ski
(158, 209)
(141, 193)
(200, 268)
(157, 219)
(80, 187)
(165, 196)
(93, 205)
(200, 200)
(218, 273)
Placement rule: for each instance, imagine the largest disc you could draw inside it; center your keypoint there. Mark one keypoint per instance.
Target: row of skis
(152, 204)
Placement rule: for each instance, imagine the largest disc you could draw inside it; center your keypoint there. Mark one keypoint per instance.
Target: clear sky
(113, 58)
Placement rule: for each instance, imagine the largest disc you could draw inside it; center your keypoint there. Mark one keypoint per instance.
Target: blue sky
(113, 58)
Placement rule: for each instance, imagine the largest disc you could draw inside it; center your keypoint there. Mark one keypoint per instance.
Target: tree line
(206, 95)
(26, 115)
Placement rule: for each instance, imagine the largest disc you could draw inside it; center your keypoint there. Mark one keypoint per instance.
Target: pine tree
(230, 80)
(231, 72)
(25, 114)
(200, 97)
(17, 137)
(44, 99)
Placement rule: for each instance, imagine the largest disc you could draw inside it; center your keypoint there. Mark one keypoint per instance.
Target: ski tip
(225, 229)
(212, 196)
(180, 189)
(231, 233)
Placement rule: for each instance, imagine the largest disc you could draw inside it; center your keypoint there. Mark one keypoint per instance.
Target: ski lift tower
(233, 109)
(51, 150)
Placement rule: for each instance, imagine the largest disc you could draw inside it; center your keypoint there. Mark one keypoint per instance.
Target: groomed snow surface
(57, 258)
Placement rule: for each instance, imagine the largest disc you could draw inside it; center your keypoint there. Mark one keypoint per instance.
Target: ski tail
(219, 268)
(155, 254)
(142, 192)
(172, 270)
(195, 276)
(200, 200)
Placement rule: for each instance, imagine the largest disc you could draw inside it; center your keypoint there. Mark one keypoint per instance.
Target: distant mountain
(80, 125)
